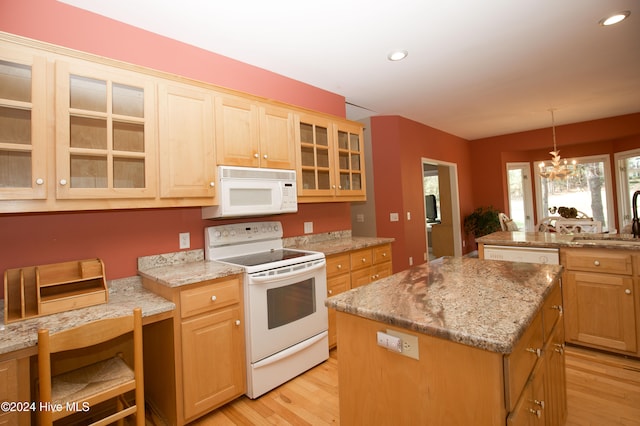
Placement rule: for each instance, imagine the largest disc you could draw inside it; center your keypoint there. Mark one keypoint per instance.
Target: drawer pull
(237, 322)
(63, 182)
(596, 262)
(627, 291)
(339, 266)
(330, 291)
(212, 184)
(214, 298)
(39, 181)
(538, 352)
(559, 347)
(557, 307)
(384, 254)
(537, 413)
(364, 259)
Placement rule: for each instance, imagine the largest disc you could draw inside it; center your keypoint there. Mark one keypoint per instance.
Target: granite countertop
(481, 303)
(334, 242)
(555, 240)
(124, 295)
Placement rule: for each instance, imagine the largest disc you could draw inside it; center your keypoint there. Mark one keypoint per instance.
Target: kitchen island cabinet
(482, 333)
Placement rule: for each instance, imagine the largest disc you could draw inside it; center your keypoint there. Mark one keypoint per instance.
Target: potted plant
(483, 221)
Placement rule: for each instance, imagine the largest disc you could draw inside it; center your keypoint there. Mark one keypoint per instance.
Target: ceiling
(475, 68)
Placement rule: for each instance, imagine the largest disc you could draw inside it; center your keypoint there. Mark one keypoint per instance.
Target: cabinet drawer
(361, 258)
(382, 253)
(551, 311)
(519, 364)
(209, 297)
(609, 261)
(337, 264)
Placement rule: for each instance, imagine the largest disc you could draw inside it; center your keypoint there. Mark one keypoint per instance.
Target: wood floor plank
(602, 390)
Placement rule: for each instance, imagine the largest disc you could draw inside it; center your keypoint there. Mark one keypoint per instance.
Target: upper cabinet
(186, 141)
(105, 132)
(330, 159)
(23, 124)
(253, 134)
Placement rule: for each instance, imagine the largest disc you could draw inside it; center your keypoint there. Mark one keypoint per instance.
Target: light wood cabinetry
(253, 134)
(353, 269)
(330, 159)
(23, 124)
(601, 298)
(105, 132)
(14, 388)
(205, 364)
(186, 141)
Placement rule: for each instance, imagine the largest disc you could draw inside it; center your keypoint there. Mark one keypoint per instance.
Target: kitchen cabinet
(14, 387)
(204, 357)
(601, 298)
(105, 132)
(338, 281)
(370, 264)
(186, 141)
(253, 134)
(23, 124)
(330, 159)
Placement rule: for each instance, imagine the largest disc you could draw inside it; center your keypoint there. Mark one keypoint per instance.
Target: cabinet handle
(384, 254)
(559, 347)
(265, 156)
(557, 307)
(364, 259)
(627, 291)
(333, 187)
(539, 403)
(212, 184)
(537, 413)
(538, 352)
(214, 298)
(39, 181)
(63, 182)
(596, 262)
(255, 155)
(237, 322)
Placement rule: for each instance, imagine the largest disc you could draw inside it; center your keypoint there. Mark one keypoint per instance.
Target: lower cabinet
(353, 269)
(201, 364)
(14, 388)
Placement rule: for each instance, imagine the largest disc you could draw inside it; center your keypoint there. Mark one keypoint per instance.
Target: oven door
(285, 306)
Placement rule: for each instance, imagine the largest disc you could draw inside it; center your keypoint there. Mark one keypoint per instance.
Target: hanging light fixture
(560, 168)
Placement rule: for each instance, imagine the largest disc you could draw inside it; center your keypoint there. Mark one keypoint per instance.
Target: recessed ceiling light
(615, 18)
(397, 55)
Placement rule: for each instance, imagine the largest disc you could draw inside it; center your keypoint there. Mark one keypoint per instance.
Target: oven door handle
(286, 275)
(290, 351)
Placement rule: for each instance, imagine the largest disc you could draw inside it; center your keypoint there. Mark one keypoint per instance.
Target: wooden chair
(90, 385)
(506, 223)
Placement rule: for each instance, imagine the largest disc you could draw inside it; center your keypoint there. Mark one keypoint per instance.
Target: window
(520, 198)
(628, 182)
(589, 190)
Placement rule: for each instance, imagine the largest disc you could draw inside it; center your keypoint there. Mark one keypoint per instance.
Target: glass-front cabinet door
(104, 133)
(315, 156)
(350, 159)
(23, 123)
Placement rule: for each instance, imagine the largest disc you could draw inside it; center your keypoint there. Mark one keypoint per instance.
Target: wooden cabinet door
(187, 149)
(236, 122)
(349, 159)
(23, 125)
(213, 361)
(336, 285)
(105, 132)
(277, 138)
(600, 310)
(314, 156)
(555, 387)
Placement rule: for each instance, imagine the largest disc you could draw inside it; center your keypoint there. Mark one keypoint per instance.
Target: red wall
(597, 137)
(119, 237)
(399, 144)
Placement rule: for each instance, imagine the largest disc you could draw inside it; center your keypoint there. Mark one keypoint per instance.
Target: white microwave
(247, 191)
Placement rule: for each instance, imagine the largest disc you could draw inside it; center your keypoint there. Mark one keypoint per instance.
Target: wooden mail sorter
(47, 289)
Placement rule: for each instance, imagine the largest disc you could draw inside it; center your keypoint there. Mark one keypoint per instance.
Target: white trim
(528, 193)
(622, 185)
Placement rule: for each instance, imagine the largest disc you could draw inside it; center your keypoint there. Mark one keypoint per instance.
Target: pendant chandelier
(560, 168)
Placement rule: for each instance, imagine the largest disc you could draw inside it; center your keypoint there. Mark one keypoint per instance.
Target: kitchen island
(483, 333)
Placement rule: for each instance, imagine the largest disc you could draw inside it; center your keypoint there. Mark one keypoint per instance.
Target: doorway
(441, 209)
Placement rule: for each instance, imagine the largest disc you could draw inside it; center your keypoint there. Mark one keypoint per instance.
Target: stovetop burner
(262, 258)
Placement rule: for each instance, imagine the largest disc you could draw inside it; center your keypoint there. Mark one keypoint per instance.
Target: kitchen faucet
(635, 225)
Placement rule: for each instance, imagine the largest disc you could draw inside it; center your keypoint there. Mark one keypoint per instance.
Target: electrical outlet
(409, 343)
(393, 217)
(393, 343)
(308, 227)
(185, 240)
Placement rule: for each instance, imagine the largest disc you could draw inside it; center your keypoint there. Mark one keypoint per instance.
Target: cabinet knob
(537, 351)
(333, 187)
(339, 266)
(212, 184)
(237, 322)
(627, 291)
(63, 182)
(39, 181)
(364, 259)
(214, 298)
(539, 403)
(255, 155)
(330, 291)
(384, 254)
(537, 413)
(559, 347)
(596, 262)
(557, 307)
(265, 156)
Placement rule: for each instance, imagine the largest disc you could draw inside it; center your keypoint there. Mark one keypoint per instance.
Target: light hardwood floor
(602, 390)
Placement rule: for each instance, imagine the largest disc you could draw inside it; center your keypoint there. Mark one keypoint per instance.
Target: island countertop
(557, 240)
(480, 303)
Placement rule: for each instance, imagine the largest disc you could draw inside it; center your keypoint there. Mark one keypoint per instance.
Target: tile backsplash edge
(316, 238)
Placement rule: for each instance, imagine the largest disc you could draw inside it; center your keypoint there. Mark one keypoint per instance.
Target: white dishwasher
(549, 256)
